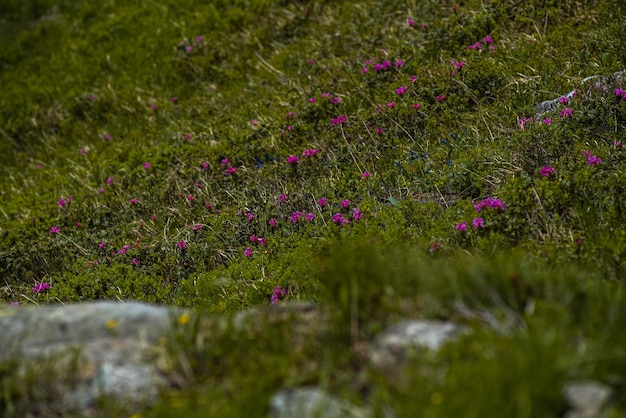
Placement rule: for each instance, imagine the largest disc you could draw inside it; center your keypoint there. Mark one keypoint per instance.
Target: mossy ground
(173, 126)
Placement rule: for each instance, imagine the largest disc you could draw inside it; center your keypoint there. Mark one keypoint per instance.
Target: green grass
(88, 99)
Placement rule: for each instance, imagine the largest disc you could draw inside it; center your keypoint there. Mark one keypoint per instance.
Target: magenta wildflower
(547, 121)
(566, 112)
(488, 39)
(338, 219)
(457, 64)
(309, 217)
(410, 22)
(478, 223)
(146, 165)
(277, 294)
(295, 217)
(592, 159)
(110, 180)
(401, 90)
(225, 162)
(231, 170)
(174, 99)
(365, 175)
(335, 100)
(415, 106)
(133, 201)
(135, 261)
(339, 120)
(262, 242)
(182, 245)
(102, 245)
(247, 252)
(345, 203)
(292, 159)
(106, 137)
(489, 202)
(199, 38)
(61, 202)
(250, 216)
(188, 49)
(461, 227)
(547, 171)
(272, 222)
(477, 46)
(564, 100)
(440, 98)
(40, 287)
(357, 214)
(191, 198)
(282, 198)
(197, 227)
(391, 104)
(101, 190)
(521, 122)
(312, 100)
(618, 144)
(364, 70)
(434, 247)
(322, 201)
(54, 230)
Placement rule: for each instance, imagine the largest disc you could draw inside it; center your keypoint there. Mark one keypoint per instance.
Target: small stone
(586, 398)
(312, 402)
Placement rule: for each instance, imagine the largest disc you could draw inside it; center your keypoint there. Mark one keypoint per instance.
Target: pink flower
(110, 180)
(489, 202)
(312, 100)
(191, 198)
(247, 252)
(61, 202)
(295, 217)
(292, 159)
(54, 230)
(338, 219)
(592, 159)
(547, 121)
(282, 198)
(440, 98)
(488, 39)
(197, 227)
(478, 223)
(231, 170)
(364, 70)
(174, 99)
(188, 48)
(365, 175)
(272, 222)
(102, 245)
(357, 214)
(106, 137)
(563, 100)
(401, 90)
(399, 63)
(78, 224)
(322, 201)
(135, 261)
(309, 217)
(335, 100)
(345, 203)
(566, 112)
(41, 287)
(182, 245)
(339, 120)
(277, 294)
(618, 144)
(134, 201)
(250, 216)
(547, 171)
(391, 104)
(199, 38)
(461, 227)
(225, 162)
(146, 166)
(379, 130)
(415, 106)
(410, 22)
(262, 242)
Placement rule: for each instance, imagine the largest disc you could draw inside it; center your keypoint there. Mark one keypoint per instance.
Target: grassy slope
(75, 73)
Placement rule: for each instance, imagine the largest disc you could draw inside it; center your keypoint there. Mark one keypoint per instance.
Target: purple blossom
(272, 222)
(478, 223)
(231, 170)
(292, 159)
(461, 227)
(277, 294)
(547, 171)
(489, 202)
(345, 203)
(339, 120)
(357, 214)
(182, 245)
(135, 261)
(547, 121)
(567, 112)
(146, 165)
(54, 230)
(338, 219)
(41, 287)
(295, 217)
(322, 202)
(309, 217)
(401, 90)
(282, 198)
(247, 252)
(488, 39)
(365, 175)
(592, 159)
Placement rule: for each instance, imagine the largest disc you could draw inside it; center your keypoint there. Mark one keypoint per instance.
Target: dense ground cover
(217, 155)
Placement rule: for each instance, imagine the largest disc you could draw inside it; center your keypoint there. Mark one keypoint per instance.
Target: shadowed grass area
(385, 161)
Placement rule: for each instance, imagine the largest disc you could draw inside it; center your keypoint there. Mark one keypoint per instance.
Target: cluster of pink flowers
(277, 294)
(477, 223)
(54, 230)
(521, 122)
(63, 201)
(293, 159)
(301, 216)
(258, 240)
(310, 152)
(41, 287)
(567, 112)
(338, 219)
(592, 159)
(92, 263)
(230, 169)
(620, 93)
(122, 250)
(401, 90)
(547, 171)
(489, 202)
(457, 64)
(339, 120)
(181, 245)
(478, 46)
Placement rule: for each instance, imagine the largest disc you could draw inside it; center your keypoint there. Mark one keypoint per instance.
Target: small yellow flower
(111, 324)
(183, 319)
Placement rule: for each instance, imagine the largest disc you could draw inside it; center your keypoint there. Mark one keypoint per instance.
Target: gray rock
(312, 402)
(389, 350)
(586, 398)
(110, 339)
